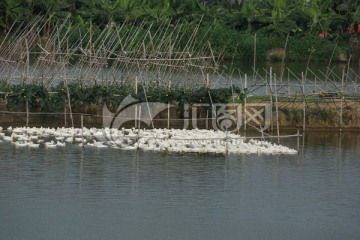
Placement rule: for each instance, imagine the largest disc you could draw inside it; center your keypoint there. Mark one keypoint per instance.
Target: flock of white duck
(171, 140)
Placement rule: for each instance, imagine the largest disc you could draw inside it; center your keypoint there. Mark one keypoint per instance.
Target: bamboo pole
(298, 140)
(136, 106)
(347, 71)
(277, 110)
(304, 104)
(168, 116)
(82, 130)
(69, 100)
(283, 59)
(245, 110)
(27, 59)
(254, 66)
(328, 67)
(149, 111)
(271, 99)
(139, 114)
(65, 113)
(207, 119)
(289, 93)
(342, 100)
(27, 112)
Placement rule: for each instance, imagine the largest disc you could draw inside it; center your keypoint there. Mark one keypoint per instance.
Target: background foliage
(41, 99)
(232, 22)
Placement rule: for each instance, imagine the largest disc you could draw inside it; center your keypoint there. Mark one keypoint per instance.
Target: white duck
(33, 145)
(50, 144)
(21, 144)
(60, 144)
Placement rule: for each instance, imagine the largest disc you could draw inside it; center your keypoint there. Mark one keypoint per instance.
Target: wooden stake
(304, 105)
(139, 118)
(283, 59)
(271, 100)
(82, 130)
(328, 67)
(347, 71)
(27, 112)
(254, 66)
(207, 119)
(68, 95)
(136, 106)
(245, 86)
(168, 115)
(277, 111)
(65, 113)
(27, 59)
(298, 140)
(289, 93)
(342, 98)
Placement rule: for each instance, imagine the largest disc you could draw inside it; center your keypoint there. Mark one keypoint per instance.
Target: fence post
(298, 140)
(254, 64)
(245, 86)
(289, 93)
(136, 106)
(168, 115)
(27, 59)
(207, 119)
(277, 111)
(271, 100)
(65, 113)
(69, 100)
(304, 105)
(139, 118)
(341, 100)
(82, 130)
(27, 112)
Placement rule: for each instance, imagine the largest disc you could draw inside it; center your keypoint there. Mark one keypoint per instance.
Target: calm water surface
(112, 194)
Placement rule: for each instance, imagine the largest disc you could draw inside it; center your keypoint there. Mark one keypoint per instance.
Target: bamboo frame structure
(167, 54)
(117, 53)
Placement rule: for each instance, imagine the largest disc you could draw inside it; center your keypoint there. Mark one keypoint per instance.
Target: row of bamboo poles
(164, 54)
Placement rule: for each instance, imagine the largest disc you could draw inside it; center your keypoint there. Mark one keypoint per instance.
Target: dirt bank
(318, 116)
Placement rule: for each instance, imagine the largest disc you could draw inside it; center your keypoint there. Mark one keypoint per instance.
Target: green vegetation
(232, 24)
(40, 99)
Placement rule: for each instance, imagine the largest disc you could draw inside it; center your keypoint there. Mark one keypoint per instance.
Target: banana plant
(55, 10)
(281, 21)
(11, 11)
(350, 10)
(250, 11)
(321, 15)
(157, 10)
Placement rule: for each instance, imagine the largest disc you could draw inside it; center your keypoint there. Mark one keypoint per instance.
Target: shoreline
(292, 122)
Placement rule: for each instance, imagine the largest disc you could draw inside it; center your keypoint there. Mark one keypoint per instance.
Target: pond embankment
(318, 116)
(326, 115)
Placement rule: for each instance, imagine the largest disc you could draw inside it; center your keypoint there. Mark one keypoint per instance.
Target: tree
(55, 10)
(11, 11)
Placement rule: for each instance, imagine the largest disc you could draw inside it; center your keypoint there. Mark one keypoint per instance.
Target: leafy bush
(299, 49)
(54, 100)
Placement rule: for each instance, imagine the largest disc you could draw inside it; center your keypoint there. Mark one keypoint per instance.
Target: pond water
(75, 193)
(319, 77)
